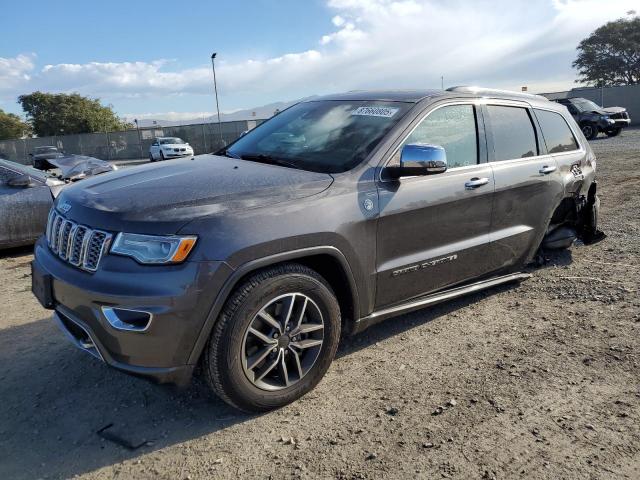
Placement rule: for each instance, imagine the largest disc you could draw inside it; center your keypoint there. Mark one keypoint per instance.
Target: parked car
(41, 155)
(338, 213)
(593, 118)
(163, 148)
(27, 194)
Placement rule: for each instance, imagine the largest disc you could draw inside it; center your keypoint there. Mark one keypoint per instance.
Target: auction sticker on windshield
(376, 111)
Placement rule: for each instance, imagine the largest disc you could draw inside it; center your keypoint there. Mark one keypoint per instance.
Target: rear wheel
(151, 159)
(614, 132)
(275, 339)
(589, 130)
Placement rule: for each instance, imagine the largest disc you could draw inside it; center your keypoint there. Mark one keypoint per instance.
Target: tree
(63, 114)
(11, 126)
(611, 54)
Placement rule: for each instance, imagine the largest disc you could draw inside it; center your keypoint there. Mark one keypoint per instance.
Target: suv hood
(612, 110)
(159, 198)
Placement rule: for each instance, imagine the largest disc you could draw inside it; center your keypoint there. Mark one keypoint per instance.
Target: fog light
(127, 319)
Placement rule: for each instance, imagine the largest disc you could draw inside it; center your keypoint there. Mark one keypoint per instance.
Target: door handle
(476, 182)
(547, 170)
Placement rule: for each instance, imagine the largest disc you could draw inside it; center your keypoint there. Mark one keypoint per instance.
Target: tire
(589, 130)
(232, 348)
(161, 155)
(614, 132)
(151, 159)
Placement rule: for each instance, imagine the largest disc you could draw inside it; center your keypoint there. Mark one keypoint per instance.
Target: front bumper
(173, 154)
(178, 298)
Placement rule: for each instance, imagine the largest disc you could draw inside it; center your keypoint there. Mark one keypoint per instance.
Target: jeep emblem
(64, 207)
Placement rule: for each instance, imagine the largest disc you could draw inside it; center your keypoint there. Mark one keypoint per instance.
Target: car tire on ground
(589, 130)
(614, 132)
(161, 155)
(151, 159)
(252, 361)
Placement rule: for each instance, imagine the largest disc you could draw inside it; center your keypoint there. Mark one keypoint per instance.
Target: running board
(415, 304)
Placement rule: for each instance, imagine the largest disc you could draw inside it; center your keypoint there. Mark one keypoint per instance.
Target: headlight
(153, 249)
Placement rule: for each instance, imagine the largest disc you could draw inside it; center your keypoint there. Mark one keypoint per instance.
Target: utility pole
(215, 87)
(442, 82)
(139, 139)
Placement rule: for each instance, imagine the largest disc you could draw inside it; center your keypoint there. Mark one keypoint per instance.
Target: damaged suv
(338, 213)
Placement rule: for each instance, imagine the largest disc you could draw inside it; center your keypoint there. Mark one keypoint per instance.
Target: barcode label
(376, 111)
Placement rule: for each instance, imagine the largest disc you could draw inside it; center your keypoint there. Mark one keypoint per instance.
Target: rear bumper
(177, 299)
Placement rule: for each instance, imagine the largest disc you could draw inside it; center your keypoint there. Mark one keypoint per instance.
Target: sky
(153, 59)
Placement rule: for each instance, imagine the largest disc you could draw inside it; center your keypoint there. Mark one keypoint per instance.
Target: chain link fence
(130, 144)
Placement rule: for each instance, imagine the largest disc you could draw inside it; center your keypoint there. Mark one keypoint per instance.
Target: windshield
(170, 140)
(323, 136)
(46, 150)
(584, 105)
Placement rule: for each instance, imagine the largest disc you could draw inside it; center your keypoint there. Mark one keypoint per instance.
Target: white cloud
(15, 71)
(370, 44)
(338, 21)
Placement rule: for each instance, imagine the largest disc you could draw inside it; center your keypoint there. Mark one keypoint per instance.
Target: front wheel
(614, 132)
(161, 156)
(589, 130)
(274, 340)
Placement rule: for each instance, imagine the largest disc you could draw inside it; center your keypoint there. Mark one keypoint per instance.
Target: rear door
(524, 197)
(433, 231)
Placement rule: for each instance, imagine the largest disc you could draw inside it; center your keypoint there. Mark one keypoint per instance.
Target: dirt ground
(538, 380)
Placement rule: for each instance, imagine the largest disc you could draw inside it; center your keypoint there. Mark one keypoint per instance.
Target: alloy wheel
(282, 342)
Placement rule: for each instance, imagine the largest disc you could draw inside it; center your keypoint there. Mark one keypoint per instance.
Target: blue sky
(152, 58)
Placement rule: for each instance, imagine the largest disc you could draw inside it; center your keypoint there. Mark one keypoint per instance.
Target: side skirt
(432, 299)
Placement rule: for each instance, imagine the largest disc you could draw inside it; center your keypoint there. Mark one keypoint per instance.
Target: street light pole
(215, 87)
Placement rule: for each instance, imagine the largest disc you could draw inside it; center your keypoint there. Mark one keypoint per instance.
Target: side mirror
(420, 159)
(22, 181)
(31, 154)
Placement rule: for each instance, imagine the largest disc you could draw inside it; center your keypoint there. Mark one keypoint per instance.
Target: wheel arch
(328, 261)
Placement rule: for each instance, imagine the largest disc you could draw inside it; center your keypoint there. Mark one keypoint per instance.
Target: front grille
(76, 244)
(621, 115)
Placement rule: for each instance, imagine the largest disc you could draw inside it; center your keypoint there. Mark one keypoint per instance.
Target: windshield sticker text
(375, 111)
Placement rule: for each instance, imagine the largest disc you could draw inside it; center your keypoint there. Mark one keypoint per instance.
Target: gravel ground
(537, 380)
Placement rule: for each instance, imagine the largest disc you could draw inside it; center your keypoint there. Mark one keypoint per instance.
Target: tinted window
(556, 132)
(513, 133)
(323, 136)
(452, 127)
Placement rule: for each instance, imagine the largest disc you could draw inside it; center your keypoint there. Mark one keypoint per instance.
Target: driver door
(433, 231)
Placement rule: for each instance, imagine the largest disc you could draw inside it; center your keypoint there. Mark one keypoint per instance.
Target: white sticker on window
(376, 111)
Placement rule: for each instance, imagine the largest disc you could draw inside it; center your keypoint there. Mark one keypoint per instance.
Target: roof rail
(493, 91)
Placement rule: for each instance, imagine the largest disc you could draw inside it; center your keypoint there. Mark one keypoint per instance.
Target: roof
(414, 96)
(409, 96)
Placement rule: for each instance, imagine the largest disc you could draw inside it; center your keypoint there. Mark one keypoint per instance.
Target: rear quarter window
(513, 133)
(556, 132)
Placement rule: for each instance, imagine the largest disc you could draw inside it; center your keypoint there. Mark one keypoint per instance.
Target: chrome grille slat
(76, 244)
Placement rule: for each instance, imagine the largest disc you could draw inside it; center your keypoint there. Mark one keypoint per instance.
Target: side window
(556, 132)
(513, 132)
(453, 127)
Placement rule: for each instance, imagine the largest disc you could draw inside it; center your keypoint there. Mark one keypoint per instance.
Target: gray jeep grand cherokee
(335, 214)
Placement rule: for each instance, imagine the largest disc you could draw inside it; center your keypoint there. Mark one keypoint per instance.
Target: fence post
(108, 146)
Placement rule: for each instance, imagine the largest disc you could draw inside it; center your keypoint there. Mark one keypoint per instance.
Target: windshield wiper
(268, 159)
